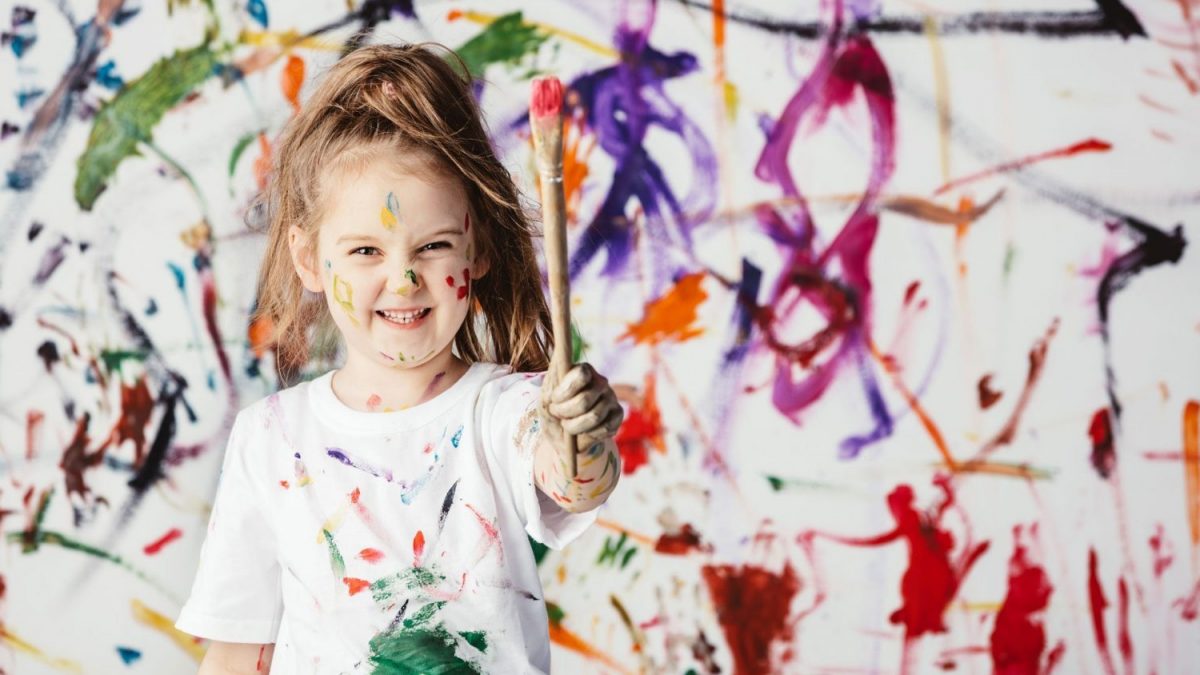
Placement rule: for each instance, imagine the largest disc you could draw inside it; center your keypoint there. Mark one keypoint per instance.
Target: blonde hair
(406, 98)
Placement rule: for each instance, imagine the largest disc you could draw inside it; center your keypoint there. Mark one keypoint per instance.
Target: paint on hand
(343, 294)
(389, 216)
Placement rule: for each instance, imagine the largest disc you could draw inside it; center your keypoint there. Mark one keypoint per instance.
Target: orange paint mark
(284, 483)
(671, 316)
(1089, 145)
(1191, 468)
(454, 15)
(931, 428)
(565, 638)
(355, 585)
(262, 165)
(259, 334)
(577, 147)
(292, 79)
(371, 555)
(617, 527)
(418, 548)
(1188, 82)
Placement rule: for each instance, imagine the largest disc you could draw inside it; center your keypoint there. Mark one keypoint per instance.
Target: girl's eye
(435, 245)
(369, 250)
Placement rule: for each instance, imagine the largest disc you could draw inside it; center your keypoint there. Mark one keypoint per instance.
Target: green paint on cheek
(336, 563)
(416, 652)
(328, 266)
(343, 294)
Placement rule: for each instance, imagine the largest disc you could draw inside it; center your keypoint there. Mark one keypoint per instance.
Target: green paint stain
(130, 117)
(412, 276)
(578, 346)
(239, 148)
(423, 615)
(539, 549)
(1010, 256)
(336, 563)
(475, 638)
(114, 358)
(417, 652)
(615, 552)
(555, 613)
(412, 579)
(508, 40)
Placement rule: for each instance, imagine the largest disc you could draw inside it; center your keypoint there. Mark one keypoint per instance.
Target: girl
(374, 519)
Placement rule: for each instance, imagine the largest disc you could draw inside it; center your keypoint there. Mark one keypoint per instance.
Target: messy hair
(410, 100)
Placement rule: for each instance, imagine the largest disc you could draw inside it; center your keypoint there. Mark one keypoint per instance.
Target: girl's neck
(369, 387)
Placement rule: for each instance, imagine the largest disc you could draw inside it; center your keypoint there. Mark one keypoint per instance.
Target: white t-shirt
(383, 541)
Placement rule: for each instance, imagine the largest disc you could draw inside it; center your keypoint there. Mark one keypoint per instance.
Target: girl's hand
(581, 404)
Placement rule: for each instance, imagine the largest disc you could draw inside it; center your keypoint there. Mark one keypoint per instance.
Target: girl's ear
(480, 267)
(303, 259)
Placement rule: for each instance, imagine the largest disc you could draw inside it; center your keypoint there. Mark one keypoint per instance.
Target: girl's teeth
(408, 317)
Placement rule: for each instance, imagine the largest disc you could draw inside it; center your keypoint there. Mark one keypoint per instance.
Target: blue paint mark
(178, 272)
(107, 77)
(128, 654)
(456, 437)
(212, 381)
(258, 11)
(26, 96)
(151, 308)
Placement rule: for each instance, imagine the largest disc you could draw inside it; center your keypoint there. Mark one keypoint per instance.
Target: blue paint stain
(212, 381)
(151, 308)
(26, 96)
(178, 272)
(128, 654)
(340, 456)
(258, 11)
(456, 437)
(107, 77)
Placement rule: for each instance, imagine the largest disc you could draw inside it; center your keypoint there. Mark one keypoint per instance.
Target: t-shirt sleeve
(511, 430)
(236, 593)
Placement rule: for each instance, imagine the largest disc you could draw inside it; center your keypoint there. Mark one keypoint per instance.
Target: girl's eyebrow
(354, 237)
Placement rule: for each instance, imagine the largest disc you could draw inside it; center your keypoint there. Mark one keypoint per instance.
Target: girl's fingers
(593, 419)
(576, 379)
(577, 405)
(607, 429)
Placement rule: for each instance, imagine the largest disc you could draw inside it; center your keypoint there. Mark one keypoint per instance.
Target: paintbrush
(545, 123)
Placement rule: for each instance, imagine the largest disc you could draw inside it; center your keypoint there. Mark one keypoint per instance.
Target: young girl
(374, 519)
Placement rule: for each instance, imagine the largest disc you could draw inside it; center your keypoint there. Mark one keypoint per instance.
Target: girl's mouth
(404, 319)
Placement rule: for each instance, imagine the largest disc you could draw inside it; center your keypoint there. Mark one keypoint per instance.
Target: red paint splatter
(932, 578)
(136, 408)
(1019, 637)
(1089, 145)
(752, 607)
(258, 666)
(1189, 607)
(987, 396)
(450, 281)
(466, 287)
(1124, 641)
(355, 585)
(1097, 603)
(911, 292)
(371, 555)
(355, 495)
(284, 483)
(418, 548)
(33, 424)
(157, 545)
(681, 542)
(1161, 551)
(374, 401)
(641, 430)
(1104, 456)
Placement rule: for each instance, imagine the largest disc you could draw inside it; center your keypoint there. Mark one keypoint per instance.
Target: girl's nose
(407, 283)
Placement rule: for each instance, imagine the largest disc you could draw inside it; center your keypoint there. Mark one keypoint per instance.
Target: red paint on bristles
(546, 97)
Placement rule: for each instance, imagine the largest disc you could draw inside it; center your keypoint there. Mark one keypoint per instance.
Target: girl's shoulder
(289, 398)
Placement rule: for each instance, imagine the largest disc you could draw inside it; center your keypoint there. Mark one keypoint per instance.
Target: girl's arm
(585, 405)
(236, 658)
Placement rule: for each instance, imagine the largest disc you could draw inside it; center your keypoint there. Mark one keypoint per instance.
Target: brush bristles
(546, 97)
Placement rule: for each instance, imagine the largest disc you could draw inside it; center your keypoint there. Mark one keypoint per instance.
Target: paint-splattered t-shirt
(363, 542)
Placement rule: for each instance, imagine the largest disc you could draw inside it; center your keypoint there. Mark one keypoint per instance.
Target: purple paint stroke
(409, 489)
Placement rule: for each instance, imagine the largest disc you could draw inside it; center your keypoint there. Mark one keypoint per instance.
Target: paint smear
(157, 545)
(371, 555)
(686, 540)
(1191, 469)
(752, 606)
(1019, 637)
(1097, 603)
(418, 546)
(166, 625)
(1089, 145)
(291, 80)
(641, 430)
(671, 317)
(1104, 456)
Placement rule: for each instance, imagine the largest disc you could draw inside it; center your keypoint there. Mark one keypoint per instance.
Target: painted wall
(900, 294)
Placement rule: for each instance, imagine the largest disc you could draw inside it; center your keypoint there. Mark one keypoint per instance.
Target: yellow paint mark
(941, 89)
(287, 39)
(146, 616)
(332, 524)
(387, 218)
(343, 294)
(21, 645)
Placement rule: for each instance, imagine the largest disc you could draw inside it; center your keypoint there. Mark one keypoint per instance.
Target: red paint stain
(1019, 637)
(1098, 603)
(1104, 456)
(752, 607)
(680, 543)
(987, 396)
(33, 424)
(355, 585)
(284, 484)
(374, 401)
(450, 281)
(157, 545)
(136, 408)
(641, 430)
(418, 548)
(1160, 549)
(1089, 145)
(466, 287)
(1189, 607)
(1124, 641)
(371, 555)
(467, 223)
(672, 316)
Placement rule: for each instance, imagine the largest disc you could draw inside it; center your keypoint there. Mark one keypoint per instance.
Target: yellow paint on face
(410, 285)
(389, 216)
(343, 295)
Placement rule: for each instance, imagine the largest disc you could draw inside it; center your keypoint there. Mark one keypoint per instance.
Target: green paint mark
(412, 277)
(616, 551)
(578, 346)
(113, 358)
(31, 540)
(627, 557)
(539, 549)
(130, 117)
(1010, 256)
(401, 355)
(555, 613)
(336, 563)
(423, 615)
(417, 652)
(412, 579)
(507, 41)
(239, 148)
(779, 484)
(476, 638)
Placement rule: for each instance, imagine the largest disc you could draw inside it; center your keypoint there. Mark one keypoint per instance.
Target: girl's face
(395, 261)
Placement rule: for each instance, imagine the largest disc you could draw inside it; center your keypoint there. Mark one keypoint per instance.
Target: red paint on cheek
(466, 287)
(450, 281)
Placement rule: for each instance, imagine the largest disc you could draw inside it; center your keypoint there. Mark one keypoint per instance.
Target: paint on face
(343, 294)
(411, 285)
(373, 402)
(389, 216)
(465, 289)
(328, 266)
